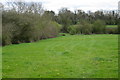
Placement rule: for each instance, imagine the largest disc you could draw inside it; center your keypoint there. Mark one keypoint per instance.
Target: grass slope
(77, 56)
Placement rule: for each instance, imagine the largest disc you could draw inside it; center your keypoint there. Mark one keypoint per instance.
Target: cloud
(85, 5)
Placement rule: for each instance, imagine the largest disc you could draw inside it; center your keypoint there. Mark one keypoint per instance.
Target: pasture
(111, 26)
(71, 56)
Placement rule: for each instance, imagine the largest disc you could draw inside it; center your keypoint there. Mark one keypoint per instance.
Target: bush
(85, 27)
(119, 28)
(19, 26)
(55, 28)
(27, 27)
(99, 27)
(45, 28)
(111, 30)
(7, 34)
(81, 28)
(72, 29)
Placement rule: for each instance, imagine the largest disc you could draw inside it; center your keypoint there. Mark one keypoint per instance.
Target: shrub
(45, 28)
(112, 30)
(7, 34)
(27, 27)
(119, 28)
(72, 29)
(99, 27)
(85, 27)
(81, 28)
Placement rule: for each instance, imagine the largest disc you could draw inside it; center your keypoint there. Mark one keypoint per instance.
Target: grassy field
(72, 56)
(111, 26)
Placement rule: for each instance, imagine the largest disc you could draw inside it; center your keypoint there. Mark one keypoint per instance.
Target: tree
(27, 23)
(65, 17)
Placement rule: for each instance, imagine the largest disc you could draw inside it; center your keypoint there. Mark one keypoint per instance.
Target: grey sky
(85, 5)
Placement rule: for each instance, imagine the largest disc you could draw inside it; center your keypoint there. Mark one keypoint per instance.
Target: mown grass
(111, 26)
(0, 62)
(71, 56)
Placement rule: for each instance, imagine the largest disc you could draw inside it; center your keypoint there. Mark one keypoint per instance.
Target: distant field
(111, 26)
(71, 56)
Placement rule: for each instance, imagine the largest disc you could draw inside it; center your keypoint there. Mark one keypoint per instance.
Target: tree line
(87, 23)
(28, 22)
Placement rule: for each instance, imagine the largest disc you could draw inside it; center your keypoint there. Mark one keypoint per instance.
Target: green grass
(72, 56)
(111, 26)
(0, 62)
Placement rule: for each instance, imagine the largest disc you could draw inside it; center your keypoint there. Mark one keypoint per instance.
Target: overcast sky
(85, 5)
